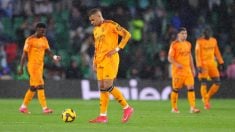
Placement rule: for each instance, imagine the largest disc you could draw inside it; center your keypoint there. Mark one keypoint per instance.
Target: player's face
(40, 32)
(182, 36)
(96, 19)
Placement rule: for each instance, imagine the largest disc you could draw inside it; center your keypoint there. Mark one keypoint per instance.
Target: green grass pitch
(149, 116)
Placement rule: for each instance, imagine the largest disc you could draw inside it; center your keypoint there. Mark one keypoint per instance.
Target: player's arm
(125, 37)
(54, 57)
(22, 61)
(198, 56)
(124, 34)
(192, 65)
(219, 58)
(171, 58)
(218, 54)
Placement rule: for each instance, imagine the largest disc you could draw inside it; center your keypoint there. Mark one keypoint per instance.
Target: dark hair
(181, 29)
(93, 11)
(207, 32)
(41, 25)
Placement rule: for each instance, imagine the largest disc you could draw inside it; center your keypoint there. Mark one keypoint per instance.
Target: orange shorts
(36, 75)
(181, 81)
(209, 71)
(108, 68)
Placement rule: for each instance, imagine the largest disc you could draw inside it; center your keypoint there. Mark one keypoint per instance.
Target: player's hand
(56, 58)
(194, 72)
(94, 67)
(199, 69)
(221, 67)
(20, 71)
(112, 52)
(179, 66)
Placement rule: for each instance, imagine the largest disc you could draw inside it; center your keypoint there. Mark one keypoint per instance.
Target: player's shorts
(35, 75)
(209, 71)
(181, 81)
(108, 68)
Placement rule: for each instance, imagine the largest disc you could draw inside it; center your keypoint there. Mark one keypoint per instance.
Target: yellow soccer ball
(68, 115)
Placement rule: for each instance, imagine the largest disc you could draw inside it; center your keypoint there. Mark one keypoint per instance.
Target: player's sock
(119, 97)
(42, 98)
(104, 100)
(203, 90)
(28, 97)
(174, 99)
(213, 89)
(191, 98)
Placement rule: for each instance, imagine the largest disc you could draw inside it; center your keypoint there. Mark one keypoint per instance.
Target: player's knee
(191, 90)
(33, 89)
(175, 90)
(108, 89)
(216, 81)
(203, 81)
(40, 87)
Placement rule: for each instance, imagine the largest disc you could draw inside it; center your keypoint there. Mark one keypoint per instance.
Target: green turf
(149, 116)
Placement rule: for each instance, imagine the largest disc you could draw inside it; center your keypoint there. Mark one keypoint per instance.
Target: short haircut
(41, 25)
(181, 29)
(93, 11)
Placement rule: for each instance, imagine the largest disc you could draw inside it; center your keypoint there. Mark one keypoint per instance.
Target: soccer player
(183, 70)
(205, 52)
(106, 61)
(34, 50)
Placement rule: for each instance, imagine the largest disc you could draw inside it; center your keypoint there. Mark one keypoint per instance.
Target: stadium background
(152, 23)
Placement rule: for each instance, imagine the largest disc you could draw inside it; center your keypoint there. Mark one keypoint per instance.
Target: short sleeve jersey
(181, 53)
(35, 47)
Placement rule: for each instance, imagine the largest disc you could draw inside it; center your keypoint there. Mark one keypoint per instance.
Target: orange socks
(213, 89)
(203, 90)
(119, 97)
(191, 98)
(174, 100)
(104, 100)
(42, 98)
(28, 97)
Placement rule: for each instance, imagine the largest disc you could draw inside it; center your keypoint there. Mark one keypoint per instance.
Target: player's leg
(204, 93)
(176, 85)
(189, 82)
(42, 99)
(28, 97)
(30, 93)
(215, 76)
(174, 100)
(215, 87)
(104, 98)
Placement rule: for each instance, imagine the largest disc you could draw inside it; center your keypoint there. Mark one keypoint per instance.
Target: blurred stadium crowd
(152, 23)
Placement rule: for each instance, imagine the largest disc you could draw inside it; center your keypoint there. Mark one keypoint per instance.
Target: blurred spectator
(73, 71)
(231, 70)
(227, 55)
(137, 25)
(5, 74)
(43, 7)
(161, 65)
(3, 58)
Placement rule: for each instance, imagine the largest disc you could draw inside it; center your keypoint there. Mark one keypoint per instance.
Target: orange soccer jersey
(206, 50)
(35, 48)
(106, 39)
(181, 53)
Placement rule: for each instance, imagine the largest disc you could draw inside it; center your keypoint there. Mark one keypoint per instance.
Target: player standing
(34, 50)
(106, 61)
(205, 51)
(183, 70)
